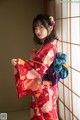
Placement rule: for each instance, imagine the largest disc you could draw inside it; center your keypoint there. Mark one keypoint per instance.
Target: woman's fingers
(14, 62)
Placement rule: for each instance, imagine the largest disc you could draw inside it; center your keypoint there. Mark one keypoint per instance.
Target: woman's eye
(41, 26)
(35, 28)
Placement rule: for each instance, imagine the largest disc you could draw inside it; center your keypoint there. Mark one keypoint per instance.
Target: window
(67, 17)
(68, 30)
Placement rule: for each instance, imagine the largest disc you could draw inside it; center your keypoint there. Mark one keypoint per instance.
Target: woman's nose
(38, 31)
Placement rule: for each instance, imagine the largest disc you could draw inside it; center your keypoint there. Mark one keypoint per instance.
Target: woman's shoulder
(46, 47)
(54, 42)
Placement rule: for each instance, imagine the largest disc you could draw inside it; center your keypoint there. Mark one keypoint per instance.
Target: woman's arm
(29, 73)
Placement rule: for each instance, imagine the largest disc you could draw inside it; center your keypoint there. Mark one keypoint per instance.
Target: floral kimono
(29, 81)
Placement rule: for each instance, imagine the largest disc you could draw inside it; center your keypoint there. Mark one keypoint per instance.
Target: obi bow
(58, 69)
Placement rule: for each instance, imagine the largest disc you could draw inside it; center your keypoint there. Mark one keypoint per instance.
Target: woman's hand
(14, 62)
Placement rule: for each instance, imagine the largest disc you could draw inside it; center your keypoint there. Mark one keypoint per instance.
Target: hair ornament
(52, 20)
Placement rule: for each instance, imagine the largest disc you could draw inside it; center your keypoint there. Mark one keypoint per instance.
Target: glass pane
(70, 100)
(69, 34)
(76, 106)
(61, 110)
(66, 81)
(75, 118)
(66, 50)
(75, 8)
(60, 46)
(69, 79)
(64, 9)
(79, 8)
(60, 90)
(76, 82)
(66, 30)
(68, 117)
(67, 98)
(58, 28)
(69, 8)
(76, 57)
(58, 9)
(75, 30)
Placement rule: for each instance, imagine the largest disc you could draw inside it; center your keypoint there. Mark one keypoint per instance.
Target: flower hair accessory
(52, 20)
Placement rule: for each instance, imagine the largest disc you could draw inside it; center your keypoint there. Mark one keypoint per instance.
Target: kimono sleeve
(29, 73)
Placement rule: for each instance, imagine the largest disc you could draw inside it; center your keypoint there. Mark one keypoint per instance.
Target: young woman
(30, 74)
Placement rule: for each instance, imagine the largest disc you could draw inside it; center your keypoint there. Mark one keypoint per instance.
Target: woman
(29, 74)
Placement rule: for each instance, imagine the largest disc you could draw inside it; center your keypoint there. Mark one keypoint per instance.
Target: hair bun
(52, 20)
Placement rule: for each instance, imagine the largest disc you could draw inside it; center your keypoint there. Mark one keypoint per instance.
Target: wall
(19, 115)
(15, 41)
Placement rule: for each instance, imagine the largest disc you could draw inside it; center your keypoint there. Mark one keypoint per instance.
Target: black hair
(45, 21)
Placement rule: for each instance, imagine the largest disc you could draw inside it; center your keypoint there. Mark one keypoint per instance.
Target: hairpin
(52, 20)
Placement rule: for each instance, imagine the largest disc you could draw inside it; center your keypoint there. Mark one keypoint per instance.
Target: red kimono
(29, 81)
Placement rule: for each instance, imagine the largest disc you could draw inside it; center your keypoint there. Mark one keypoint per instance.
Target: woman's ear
(51, 28)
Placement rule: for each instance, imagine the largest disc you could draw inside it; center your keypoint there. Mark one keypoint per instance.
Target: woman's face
(40, 31)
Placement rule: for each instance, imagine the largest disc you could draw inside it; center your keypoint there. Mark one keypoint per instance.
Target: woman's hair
(45, 20)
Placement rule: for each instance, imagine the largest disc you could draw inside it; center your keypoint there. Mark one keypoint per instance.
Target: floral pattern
(28, 76)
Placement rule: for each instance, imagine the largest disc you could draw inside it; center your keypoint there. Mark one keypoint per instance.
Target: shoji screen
(68, 31)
